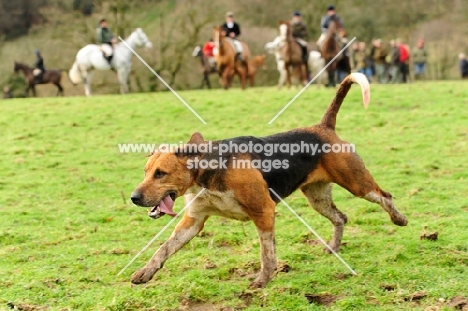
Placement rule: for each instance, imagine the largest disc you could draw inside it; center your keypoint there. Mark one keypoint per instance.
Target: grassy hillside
(68, 226)
(170, 25)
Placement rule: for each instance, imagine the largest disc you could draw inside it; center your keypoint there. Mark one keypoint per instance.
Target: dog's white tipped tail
(361, 79)
(329, 118)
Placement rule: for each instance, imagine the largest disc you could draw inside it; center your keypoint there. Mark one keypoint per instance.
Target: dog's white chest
(214, 203)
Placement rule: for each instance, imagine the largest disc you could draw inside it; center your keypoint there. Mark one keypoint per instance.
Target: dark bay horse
(206, 67)
(331, 46)
(48, 76)
(228, 63)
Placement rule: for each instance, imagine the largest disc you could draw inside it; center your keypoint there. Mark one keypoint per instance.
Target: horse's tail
(74, 74)
(329, 118)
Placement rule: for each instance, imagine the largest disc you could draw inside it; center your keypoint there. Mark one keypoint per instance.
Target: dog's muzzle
(163, 207)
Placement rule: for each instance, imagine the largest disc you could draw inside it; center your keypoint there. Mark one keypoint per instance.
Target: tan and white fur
(243, 194)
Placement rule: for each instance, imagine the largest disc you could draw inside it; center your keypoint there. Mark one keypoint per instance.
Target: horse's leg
(207, 78)
(34, 90)
(86, 77)
(299, 73)
(288, 75)
(331, 78)
(230, 77)
(86, 84)
(282, 78)
(243, 77)
(225, 78)
(305, 74)
(251, 77)
(122, 75)
(203, 81)
(60, 89)
(202, 85)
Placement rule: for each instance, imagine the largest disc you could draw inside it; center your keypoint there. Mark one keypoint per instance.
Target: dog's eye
(159, 174)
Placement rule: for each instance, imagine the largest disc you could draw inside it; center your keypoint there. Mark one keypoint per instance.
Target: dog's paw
(400, 221)
(335, 246)
(336, 249)
(142, 276)
(257, 284)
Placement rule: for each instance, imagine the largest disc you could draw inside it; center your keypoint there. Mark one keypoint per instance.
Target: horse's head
(22, 67)
(218, 34)
(284, 29)
(141, 39)
(335, 26)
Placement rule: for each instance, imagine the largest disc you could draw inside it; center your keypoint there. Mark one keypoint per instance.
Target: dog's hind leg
(348, 170)
(385, 200)
(185, 230)
(319, 196)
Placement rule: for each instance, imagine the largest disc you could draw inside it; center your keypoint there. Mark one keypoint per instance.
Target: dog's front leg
(185, 230)
(268, 257)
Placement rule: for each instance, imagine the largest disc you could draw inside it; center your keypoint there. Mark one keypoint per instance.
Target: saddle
(107, 52)
(303, 44)
(237, 46)
(37, 73)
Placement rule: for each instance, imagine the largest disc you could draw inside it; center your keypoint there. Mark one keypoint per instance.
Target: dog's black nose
(136, 198)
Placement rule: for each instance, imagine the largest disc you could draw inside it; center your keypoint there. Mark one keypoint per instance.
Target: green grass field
(68, 226)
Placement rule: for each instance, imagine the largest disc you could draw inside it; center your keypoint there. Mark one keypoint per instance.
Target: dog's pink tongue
(166, 206)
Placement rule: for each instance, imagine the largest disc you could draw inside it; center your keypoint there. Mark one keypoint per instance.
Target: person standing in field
(419, 55)
(463, 65)
(395, 62)
(7, 92)
(362, 61)
(379, 55)
(404, 60)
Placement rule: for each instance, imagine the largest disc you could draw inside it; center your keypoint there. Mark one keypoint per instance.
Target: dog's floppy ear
(191, 148)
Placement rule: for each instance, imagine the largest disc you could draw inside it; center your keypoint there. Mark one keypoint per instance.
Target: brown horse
(256, 63)
(49, 76)
(291, 53)
(331, 47)
(228, 63)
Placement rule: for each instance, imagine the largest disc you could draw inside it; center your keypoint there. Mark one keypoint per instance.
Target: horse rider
(331, 12)
(39, 68)
(232, 31)
(106, 39)
(299, 32)
(209, 53)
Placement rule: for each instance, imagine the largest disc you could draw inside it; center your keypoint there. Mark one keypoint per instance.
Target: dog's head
(167, 177)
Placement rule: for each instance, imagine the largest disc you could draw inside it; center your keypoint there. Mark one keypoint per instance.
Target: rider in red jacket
(208, 48)
(404, 60)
